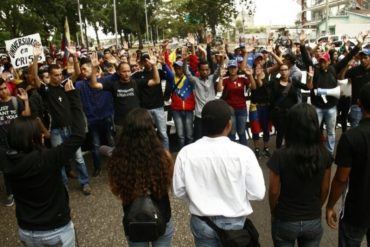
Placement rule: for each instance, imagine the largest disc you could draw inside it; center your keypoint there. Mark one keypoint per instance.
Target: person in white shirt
(217, 177)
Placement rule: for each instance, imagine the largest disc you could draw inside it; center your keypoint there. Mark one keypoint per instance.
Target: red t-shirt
(235, 92)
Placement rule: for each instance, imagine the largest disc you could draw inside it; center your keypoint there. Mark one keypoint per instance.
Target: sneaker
(257, 153)
(9, 201)
(266, 152)
(86, 189)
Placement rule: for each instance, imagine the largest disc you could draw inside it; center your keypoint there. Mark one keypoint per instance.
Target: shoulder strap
(177, 83)
(211, 224)
(15, 103)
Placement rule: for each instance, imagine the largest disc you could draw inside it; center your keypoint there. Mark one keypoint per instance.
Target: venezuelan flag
(253, 119)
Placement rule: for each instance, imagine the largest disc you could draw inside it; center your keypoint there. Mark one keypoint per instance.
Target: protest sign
(20, 50)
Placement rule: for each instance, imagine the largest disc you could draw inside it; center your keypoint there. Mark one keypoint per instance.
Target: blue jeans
(205, 236)
(163, 241)
(160, 121)
(352, 236)
(239, 120)
(184, 126)
(307, 233)
(355, 115)
(63, 236)
(57, 137)
(329, 116)
(100, 129)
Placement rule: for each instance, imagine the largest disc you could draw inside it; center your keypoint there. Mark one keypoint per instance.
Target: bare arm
(37, 51)
(95, 63)
(338, 186)
(274, 190)
(310, 75)
(156, 78)
(325, 185)
(24, 97)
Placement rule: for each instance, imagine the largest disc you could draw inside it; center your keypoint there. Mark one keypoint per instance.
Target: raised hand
(310, 72)
(361, 37)
(94, 59)
(248, 71)
(69, 86)
(184, 53)
(37, 50)
(22, 94)
(152, 60)
(249, 48)
(269, 49)
(72, 50)
(191, 38)
(302, 37)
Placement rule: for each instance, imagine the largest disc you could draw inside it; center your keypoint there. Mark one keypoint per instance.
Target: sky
(276, 12)
(268, 12)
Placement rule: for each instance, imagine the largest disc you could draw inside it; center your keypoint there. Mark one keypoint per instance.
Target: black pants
(278, 119)
(198, 132)
(343, 106)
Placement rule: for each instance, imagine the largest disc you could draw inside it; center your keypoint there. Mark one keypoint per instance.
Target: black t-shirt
(280, 98)
(8, 111)
(300, 198)
(261, 94)
(58, 105)
(353, 151)
(324, 79)
(151, 97)
(359, 76)
(125, 95)
(38, 107)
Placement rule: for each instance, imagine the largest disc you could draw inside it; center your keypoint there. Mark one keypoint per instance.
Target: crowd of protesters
(47, 108)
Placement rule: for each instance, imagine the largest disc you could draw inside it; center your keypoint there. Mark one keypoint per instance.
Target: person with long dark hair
(140, 164)
(33, 172)
(299, 181)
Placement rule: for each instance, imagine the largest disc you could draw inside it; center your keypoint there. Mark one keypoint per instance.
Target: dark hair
(53, 67)
(215, 116)
(122, 63)
(1, 81)
(365, 97)
(331, 55)
(24, 134)
(291, 57)
(303, 141)
(139, 162)
(202, 62)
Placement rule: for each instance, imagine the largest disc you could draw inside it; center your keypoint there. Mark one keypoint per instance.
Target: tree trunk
(86, 39)
(139, 36)
(213, 30)
(96, 34)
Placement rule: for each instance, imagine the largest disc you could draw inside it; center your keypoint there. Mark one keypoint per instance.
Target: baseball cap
(365, 51)
(232, 63)
(257, 56)
(325, 56)
(178, 63)
(144, 56)
(239, 59)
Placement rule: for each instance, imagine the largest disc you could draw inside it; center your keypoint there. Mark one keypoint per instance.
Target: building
(335, 16)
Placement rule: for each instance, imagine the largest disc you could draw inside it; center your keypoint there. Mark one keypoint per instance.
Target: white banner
(20, 50)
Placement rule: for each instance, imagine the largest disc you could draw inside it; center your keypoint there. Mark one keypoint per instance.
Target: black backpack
(144, 222)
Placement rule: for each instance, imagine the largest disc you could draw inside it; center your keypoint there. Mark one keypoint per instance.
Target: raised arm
(305, 57)
(22, 94)
(76, 64)
(95, 63)
(37, 51)
(278, 60)
(342, 63)
(156, 78)
(185, 58)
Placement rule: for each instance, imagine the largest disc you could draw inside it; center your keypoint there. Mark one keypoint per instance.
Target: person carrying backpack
(140, 171)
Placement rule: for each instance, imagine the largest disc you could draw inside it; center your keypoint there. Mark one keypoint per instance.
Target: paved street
(97, 218)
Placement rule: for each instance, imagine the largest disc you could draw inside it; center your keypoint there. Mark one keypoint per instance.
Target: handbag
(245, 237)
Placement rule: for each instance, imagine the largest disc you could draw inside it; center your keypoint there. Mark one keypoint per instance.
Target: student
(352, 178)
(299, 181)
(217, 176)
(33, 172)
(139, 165)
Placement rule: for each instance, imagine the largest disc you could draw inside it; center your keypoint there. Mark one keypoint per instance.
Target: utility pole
(146, 21)
(327, 17)
(115, 22)
(79, 17)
